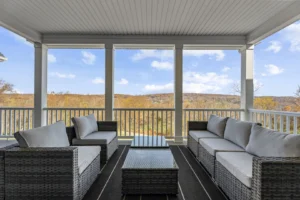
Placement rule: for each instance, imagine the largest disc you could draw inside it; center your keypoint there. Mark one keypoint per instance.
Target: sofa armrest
(275, 177)
(52, 170)
(107, 126)
(71, 133)
(48, 157)
(197, 125)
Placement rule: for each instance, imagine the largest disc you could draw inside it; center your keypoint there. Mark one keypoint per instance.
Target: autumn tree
(5, 87)
(265, 103)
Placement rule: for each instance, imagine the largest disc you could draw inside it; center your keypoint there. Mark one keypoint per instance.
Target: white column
(178, 92)
(40, 84)
(109, 82)
(247, 91)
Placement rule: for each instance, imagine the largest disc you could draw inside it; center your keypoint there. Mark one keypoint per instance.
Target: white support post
(40, 84)
(247, 88)
(178, 92)
(109, 82)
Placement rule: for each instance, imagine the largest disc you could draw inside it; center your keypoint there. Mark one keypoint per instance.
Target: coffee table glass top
(150, 159)
(149, 142)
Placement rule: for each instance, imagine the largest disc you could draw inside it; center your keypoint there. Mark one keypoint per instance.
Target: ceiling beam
(282, 19)
(11, 23)
(142, 41)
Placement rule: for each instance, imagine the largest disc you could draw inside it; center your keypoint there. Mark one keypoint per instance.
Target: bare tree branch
(297, 93)
(236, 87)
(6, 87)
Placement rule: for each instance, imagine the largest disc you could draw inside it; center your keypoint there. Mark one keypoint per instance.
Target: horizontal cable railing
(203, 115)
(15, 119)
(288, 122)
(144, 121)
(66, 114)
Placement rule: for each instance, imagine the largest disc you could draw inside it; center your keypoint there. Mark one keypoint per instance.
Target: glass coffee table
(149, 167)
(149, 142)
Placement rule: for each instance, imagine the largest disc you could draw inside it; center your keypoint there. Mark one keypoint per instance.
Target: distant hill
(165, 100)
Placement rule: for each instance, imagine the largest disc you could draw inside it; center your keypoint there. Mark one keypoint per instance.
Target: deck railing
(145, 121)
(15, 119)
(288, 122)
(203, 115)
(131, 121)
(65, 114)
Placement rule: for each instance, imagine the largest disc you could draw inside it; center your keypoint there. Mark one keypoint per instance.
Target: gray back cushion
(47, 136)
(268, 143)
(238, 132)
(217, 125)
(84, 125)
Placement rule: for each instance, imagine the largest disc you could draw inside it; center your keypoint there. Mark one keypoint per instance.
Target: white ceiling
(141, 17)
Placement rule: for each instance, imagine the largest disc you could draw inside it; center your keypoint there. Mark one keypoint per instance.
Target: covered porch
(169, 25)
(145, 25)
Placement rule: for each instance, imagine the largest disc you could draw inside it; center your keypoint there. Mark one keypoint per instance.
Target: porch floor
(194, 183)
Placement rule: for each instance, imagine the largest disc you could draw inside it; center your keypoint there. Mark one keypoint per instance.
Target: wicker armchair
(47, 173)
(107, 149)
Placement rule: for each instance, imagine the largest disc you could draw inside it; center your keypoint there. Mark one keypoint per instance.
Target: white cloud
(59, 75)
(123, 81)
(156, 88)
(88, 58)
(292, 34)
(218, 54)
(21, 39)
(200, 88)
(146, 53)
(204, 83)
(272, 70)
(226, 69)
(275, 46)
(210, 78)
(98, 80)
(15, 91)
(51, 58)
(166, 54)
(195, 83)
(162, 65)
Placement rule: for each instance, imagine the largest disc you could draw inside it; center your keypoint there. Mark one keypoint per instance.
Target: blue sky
(81, 71)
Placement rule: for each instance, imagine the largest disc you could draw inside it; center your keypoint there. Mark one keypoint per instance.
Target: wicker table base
(150, 171)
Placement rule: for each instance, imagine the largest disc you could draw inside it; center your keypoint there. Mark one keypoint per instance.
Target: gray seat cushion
(219, 145)
(84, 125)
(269, 143)
(239, 164)
(217, 125)
(86, 154)
(238, 132)
(197, 135)
(96, 138)
(7, 143)
(54, 135)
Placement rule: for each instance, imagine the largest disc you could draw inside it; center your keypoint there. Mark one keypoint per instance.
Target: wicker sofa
(105, 136)
(4, 146)
(253, 163)
(45, 166)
